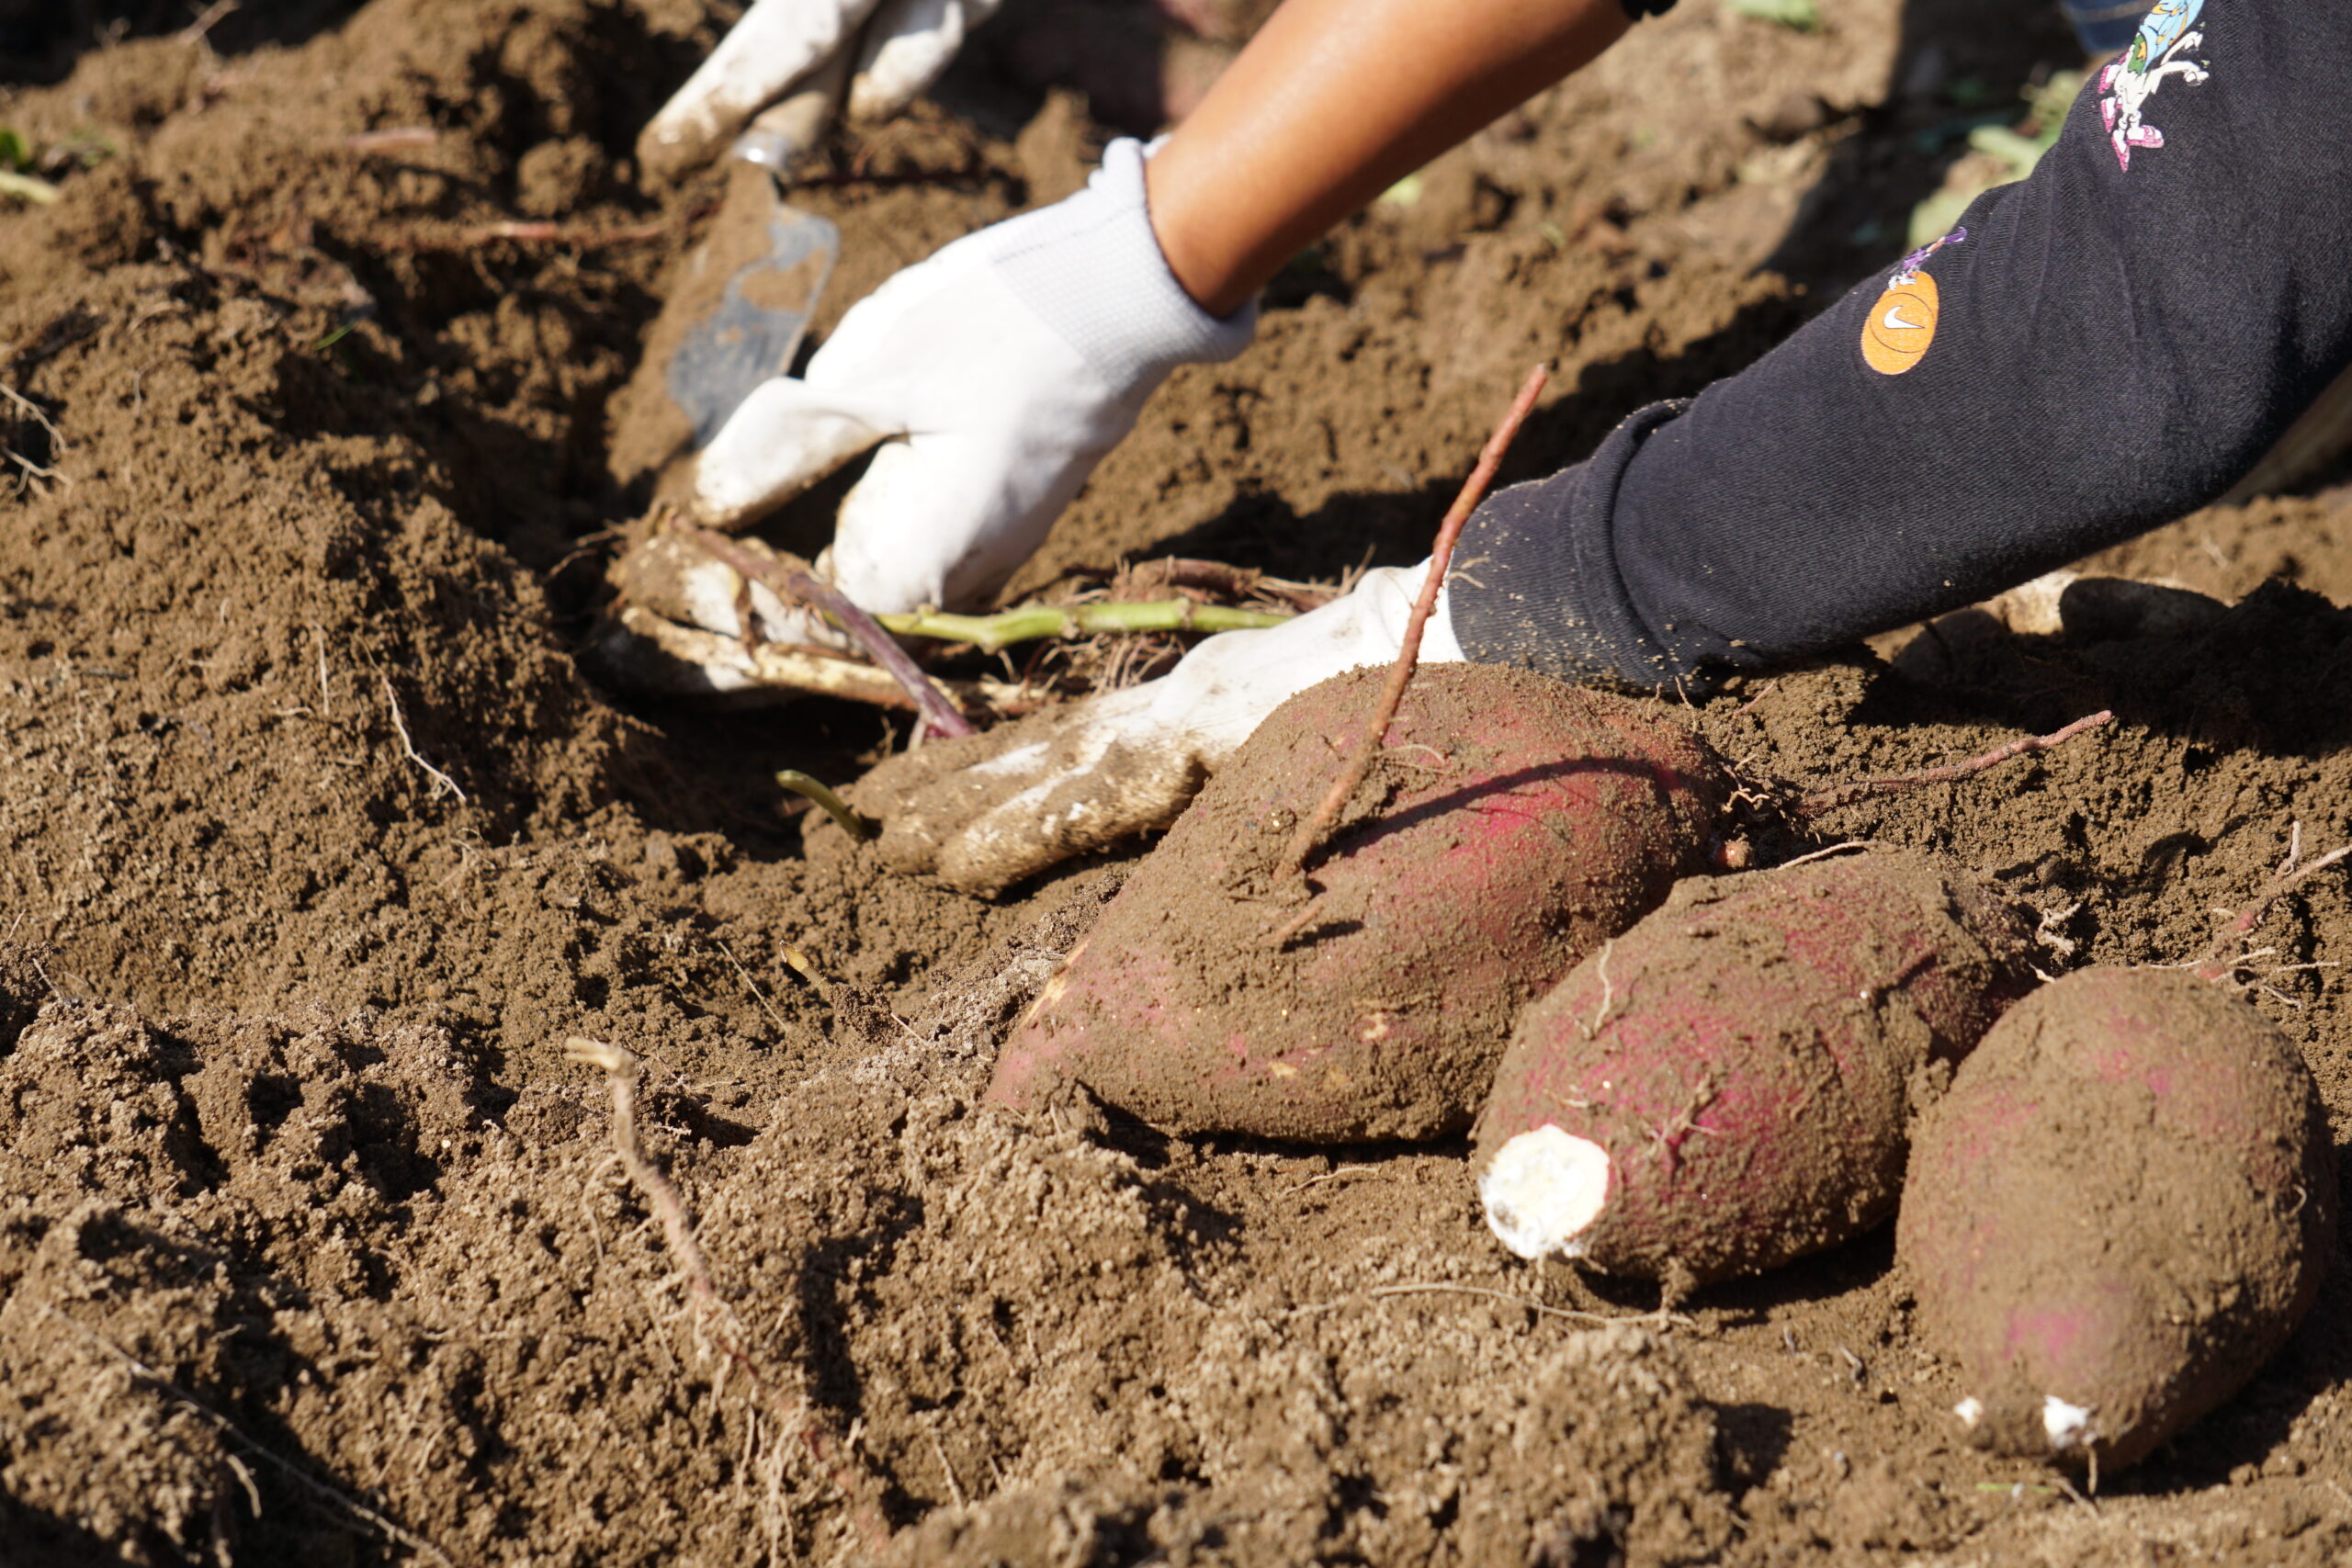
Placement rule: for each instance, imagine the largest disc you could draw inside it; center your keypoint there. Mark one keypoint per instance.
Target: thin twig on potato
(1401, 674)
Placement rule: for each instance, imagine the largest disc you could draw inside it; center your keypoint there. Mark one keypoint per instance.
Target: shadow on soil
(1960, 64)
(40, 39)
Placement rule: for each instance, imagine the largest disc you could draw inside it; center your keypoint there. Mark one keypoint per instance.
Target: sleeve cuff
(1090, 267)
(1538, 586)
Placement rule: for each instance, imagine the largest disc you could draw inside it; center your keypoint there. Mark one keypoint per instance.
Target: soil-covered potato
(2119, 1211)
(1512, 825)
(1729, 1085)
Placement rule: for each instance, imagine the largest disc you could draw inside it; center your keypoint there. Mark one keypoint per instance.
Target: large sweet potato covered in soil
(1729, 1085)
(1512, 824)
(2121, 1209)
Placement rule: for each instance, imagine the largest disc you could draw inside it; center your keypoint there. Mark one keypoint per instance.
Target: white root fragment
(2067, 1426)
(1544, 1190)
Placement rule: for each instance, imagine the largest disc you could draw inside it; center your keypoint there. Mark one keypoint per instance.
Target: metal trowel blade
(750, 332)
(739, 306)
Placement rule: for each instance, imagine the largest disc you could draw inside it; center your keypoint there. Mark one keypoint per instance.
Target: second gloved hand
(985, 812)
(896, 49)
(995, 375)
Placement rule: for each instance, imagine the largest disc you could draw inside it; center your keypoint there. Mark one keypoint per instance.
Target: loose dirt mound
(315, 843)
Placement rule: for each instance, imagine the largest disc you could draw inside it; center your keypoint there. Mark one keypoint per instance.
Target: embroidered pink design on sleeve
(2132, 78)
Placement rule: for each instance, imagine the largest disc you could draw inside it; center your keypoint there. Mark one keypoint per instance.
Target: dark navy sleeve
(2094, 350)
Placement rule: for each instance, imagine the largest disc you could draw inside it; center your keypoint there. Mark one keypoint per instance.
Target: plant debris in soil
(317, 845)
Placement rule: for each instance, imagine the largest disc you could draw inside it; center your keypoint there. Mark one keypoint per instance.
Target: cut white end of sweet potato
(1543, 1190)
(2068, 1425)
(1970, 1411)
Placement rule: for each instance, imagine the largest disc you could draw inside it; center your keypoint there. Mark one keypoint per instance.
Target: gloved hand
(780, 43)
(986, 811)
(998, 372)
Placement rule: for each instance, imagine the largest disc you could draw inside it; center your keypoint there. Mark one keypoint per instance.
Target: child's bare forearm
(1332, 102)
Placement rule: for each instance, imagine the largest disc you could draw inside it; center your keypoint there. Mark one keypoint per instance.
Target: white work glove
(996, 373)
(779, 44)
(988, 810)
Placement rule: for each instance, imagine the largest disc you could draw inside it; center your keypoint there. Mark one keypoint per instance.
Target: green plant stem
(1032, 622)
(1799, 16)
(30, 187)
(840, 810)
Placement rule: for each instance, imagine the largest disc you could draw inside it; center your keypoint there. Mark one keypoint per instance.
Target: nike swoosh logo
(1894, 321)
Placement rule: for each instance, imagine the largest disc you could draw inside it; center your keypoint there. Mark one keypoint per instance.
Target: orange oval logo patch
(1902, 324)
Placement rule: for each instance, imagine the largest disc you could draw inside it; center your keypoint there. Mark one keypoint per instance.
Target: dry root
(717, 1329)
(2245, 970)
(2023, 746)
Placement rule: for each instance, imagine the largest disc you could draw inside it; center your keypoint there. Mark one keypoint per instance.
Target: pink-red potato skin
(2125, 1204)
(1748, 1057)
(1513, 823)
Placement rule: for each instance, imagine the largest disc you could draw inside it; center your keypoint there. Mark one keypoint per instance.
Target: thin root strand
(2023, 746)
(2213, 966)
(713, 1317)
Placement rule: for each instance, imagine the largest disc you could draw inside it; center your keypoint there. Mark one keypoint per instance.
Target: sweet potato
(1729, 1085)
(2121, 1209)
(1513, 823)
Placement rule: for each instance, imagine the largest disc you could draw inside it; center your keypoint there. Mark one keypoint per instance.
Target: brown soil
(316, 843)
(1751, 1054)
(2179, 1210)
(1509, 825)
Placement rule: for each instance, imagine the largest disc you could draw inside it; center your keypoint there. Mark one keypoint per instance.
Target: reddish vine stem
(2023, 746)
(876, 644)
(524, 232)
(1401, 674)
